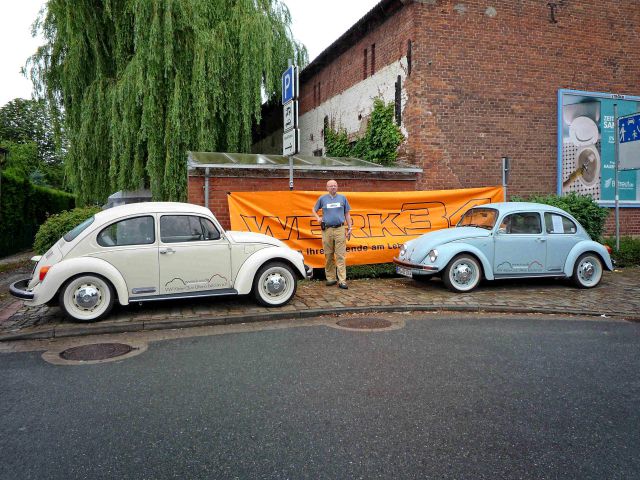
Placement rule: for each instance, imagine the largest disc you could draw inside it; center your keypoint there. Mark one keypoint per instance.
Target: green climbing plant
(378, 145)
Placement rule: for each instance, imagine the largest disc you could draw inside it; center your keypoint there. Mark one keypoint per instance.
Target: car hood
(418, 248)
(249, 237)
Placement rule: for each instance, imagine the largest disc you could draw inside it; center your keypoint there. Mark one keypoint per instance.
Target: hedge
(23, 208)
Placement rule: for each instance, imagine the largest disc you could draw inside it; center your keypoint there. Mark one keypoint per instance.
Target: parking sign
(290, 84)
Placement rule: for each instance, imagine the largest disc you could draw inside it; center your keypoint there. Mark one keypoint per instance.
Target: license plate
(404, 271)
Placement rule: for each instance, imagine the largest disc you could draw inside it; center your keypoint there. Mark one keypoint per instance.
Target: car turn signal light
(609, 249)
(43, 272)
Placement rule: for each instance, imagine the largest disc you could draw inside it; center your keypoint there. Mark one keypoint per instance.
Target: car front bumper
(409, 269)
(308, 272)
(19, 289)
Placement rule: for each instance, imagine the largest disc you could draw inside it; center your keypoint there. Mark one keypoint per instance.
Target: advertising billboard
(586, 146)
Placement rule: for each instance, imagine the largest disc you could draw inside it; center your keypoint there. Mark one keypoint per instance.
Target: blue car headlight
(432, 255)
(403, 250)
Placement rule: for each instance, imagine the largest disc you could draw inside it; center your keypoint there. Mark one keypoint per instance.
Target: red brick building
(474, 81)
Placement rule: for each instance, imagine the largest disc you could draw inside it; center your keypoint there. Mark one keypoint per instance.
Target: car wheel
(275, 284)
(86, 298)
(587, 271)
(462, 274)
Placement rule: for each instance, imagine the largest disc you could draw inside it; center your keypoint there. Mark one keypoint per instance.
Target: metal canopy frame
(279, 162)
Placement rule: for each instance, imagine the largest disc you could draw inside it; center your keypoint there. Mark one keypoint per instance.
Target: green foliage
(57, 225)
(378, 270)
(590, 215)
(26, 131)
(629, 254)
(23, 207)
(380, 142)
(141, 82)
(336, 143)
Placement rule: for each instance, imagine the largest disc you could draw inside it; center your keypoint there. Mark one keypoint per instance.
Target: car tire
(86, 298)
(587, 271)
(275, 284)
(462, 274)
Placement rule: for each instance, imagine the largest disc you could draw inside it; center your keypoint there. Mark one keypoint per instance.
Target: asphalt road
(439, 398)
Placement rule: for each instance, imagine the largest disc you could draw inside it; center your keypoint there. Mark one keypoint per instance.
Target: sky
(316, 24)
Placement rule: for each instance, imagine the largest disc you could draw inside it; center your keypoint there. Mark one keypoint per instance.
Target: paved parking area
(617, 296)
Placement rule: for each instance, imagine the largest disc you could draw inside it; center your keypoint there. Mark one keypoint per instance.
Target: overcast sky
(316, 24)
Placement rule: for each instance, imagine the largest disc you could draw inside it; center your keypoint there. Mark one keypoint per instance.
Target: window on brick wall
(315, 95)
(319, 94)
(364, 65)
(373, 58)
(408, 57)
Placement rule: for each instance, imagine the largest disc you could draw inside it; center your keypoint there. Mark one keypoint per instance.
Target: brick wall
(222, 182)
(484, 82)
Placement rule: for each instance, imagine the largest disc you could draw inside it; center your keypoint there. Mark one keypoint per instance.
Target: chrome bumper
(415, 266)
(19, 289)
(308, 272)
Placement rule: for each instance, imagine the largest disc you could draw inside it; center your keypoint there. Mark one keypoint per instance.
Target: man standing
(335, 210)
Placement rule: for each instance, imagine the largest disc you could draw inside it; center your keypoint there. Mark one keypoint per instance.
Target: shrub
(582, 207)
(629, 254)
(23, 207)
(57, 225)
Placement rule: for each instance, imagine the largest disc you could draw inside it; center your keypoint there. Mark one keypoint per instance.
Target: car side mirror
(502, 230)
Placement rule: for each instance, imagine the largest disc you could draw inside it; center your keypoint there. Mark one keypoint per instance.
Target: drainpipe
(206, 187)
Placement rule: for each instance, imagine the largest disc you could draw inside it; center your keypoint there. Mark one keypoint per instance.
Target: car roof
(505, 207)
(150, 207)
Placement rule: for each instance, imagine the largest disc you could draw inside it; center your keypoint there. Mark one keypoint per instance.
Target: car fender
(247, 272)
(583, 247)
(60, 272)
(448, 251)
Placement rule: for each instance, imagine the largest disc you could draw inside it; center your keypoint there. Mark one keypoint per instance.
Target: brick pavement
(617, 296)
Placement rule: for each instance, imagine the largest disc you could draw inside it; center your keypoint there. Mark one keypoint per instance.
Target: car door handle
(166, 251)
(541, 240)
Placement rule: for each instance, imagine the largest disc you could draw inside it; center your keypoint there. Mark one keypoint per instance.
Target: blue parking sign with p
(289, 84)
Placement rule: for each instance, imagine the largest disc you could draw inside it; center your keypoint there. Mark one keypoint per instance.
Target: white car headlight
(432, 255)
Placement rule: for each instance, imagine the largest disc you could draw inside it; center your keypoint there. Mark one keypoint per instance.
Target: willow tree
(138, 83)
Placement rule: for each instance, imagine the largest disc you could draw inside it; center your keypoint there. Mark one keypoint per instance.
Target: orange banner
(382, 221)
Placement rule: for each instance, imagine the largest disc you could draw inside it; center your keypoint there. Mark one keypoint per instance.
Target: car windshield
(72, 234)
(479, 217)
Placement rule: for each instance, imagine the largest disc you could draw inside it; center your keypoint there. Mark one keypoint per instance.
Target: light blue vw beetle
(506, 240)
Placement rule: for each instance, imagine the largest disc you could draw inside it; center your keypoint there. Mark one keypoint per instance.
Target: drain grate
(96, 351)
(365, 323)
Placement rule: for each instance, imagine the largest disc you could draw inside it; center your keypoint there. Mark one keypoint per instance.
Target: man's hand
(349, 233)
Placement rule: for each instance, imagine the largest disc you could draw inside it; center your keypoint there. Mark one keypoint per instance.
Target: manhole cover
(365, 323)
(96, 351)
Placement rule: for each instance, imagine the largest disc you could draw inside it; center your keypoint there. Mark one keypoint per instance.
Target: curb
(100, 328)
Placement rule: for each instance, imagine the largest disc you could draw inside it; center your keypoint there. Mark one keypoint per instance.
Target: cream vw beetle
(158, 251)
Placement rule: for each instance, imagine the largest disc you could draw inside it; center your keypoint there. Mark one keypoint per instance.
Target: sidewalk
(617, 296)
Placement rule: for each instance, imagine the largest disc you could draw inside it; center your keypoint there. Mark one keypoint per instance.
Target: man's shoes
(343, 286)
(330, 283)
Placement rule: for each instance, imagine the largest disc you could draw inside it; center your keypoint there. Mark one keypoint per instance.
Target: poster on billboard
(586, 146)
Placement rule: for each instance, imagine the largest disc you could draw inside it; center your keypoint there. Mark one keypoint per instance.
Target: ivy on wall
(379, 144)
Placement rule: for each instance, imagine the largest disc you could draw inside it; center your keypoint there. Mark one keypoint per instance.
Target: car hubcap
(87, 297)
(275, 284)
(587, 271)
(462, 274)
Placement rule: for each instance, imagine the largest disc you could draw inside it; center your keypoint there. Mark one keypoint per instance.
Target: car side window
(522, 223)
(210, 230)
(558, 224)
(186, 228)
(131, 231)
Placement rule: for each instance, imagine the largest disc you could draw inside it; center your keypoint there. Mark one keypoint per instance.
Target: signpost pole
(615, 156)
(290, 132)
